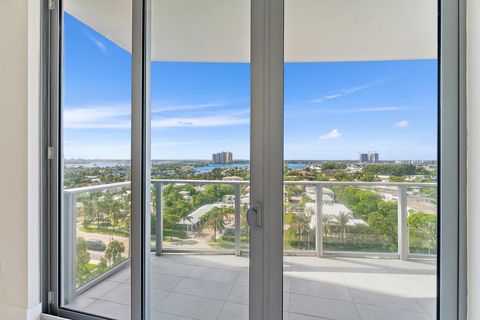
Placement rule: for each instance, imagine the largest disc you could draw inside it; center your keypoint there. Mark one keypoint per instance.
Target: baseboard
(15, 313)
(50, 317)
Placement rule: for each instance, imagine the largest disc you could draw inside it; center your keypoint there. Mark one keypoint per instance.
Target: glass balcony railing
(321, 218)
(96, 237)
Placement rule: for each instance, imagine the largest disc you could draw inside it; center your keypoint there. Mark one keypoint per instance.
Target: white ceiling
(315, 30)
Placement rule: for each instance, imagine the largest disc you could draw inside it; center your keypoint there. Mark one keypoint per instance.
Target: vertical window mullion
(140, 159)
(266, 245)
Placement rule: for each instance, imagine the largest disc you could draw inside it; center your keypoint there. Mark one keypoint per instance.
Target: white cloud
(100, 45)
(402, 124)
(363, 110)
(349, 91)
(334, 134)
(209, 121)
(182, 107)
(106, 117)
(118, 117)
(176, 143)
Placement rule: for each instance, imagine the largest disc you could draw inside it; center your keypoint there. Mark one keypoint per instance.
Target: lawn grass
(106, 231)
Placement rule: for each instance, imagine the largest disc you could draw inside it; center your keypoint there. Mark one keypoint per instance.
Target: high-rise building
(228, 157)
(222, 157)
(374, 157)
(364, 157)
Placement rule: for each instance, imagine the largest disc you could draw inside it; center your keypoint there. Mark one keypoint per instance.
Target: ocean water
(201, 169)
(210, 167)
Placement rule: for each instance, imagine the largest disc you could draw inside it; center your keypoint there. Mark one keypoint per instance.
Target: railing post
(158, 219)
(319, 221)
(402, 223)
(69, 247)
(238, 229)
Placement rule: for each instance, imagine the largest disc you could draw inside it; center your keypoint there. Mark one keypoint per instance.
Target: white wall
(473, 146)
(19, 169)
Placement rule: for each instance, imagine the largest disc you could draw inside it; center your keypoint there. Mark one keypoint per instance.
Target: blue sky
(332, 110)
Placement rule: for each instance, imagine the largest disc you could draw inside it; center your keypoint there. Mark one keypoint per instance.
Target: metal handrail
(246, 182)
(403, 246)
(97, 187)
(71, 196)
(304, 183)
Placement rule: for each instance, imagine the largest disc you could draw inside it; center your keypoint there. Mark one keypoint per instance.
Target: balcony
(335, 266)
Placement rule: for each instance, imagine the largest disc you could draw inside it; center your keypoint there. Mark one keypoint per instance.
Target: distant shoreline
(79, 161)
(202, 166)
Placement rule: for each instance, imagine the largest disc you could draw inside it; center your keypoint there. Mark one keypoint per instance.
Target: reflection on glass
(200, 123)
(96, 162)
(360, 187)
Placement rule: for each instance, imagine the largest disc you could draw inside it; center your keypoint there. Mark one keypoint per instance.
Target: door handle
(254, 215)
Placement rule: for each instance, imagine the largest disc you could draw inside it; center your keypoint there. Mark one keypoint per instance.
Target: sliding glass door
(262, 160)
(95, 166)
(200, 159)
(361, 159)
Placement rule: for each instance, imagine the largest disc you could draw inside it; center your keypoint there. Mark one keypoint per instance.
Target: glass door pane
(200, 149)
(96, 116)
(360, 212)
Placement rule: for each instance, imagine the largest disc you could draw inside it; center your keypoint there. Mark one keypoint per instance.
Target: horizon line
(243, 160)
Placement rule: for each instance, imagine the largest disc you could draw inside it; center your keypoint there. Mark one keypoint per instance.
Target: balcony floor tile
(110, 309)
(215, 274)
(204, 287)
(379, 313)
(319, 307)
(233, 311)
(120, 294)
(101, 289)
(238, 294)
(165, 316)
(190, 306)
(175, 269)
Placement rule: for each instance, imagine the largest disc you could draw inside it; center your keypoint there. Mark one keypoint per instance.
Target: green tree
(90, 208)
(110, 208)
(114, 252)
(397, 179)
(299, 226)
(367, 203)
(327, 221)
(381, 215)
(215, 220)
(126, 210)
(430, 192)
(243, 221)
(332, 165)
(83, 258)
(378, 225)
(212, 193)
(384, 224)
(343, 223)
(176, 208)
(423, 230)
(391, 169)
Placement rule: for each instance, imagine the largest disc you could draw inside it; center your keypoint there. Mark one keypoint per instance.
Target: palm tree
(126, 210)
(299, 226)
(243, 221)
(110, 208)
(83, 258)
(327, 221)
(214, 219)
(114, 252)
(343, 220)
(91, 210)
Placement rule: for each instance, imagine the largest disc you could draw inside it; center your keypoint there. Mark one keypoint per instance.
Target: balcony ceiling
(316, 30)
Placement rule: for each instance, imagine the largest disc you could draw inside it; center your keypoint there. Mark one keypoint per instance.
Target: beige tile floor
(215, 287)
